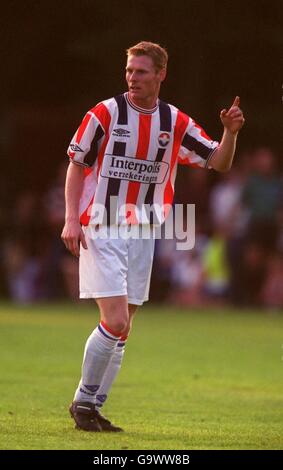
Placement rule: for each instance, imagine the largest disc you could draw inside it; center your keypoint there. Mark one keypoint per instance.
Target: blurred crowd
(237, 258)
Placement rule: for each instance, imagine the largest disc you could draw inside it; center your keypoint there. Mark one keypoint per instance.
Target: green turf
(190, 380)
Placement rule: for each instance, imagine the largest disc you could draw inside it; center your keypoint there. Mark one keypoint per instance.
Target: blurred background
(60, 58)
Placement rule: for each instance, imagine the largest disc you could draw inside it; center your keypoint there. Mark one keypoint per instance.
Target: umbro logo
(75, 148)
(119, 132)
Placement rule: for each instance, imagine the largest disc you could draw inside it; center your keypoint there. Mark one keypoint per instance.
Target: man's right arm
(72, 233)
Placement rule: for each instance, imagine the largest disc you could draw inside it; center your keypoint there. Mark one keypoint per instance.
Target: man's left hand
(233, 119)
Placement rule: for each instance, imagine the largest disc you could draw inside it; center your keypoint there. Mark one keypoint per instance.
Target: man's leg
(98, 352)
(115, 362)
(111, 372)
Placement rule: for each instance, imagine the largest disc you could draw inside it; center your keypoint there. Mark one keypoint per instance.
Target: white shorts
(112, 267)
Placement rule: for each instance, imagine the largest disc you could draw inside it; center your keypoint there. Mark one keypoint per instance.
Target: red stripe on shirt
(101, 153)
(180, 128)
(141, 154)
(80, 132)
(87, 171)
(85, 216)
(104, 117)
(82, 128)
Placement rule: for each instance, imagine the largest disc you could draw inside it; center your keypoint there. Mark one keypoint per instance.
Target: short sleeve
(197, 147)
(83, 147)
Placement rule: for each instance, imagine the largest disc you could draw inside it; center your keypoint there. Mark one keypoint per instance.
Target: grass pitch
(190, 380)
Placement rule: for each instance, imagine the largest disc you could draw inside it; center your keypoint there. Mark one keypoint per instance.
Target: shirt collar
(137, 108)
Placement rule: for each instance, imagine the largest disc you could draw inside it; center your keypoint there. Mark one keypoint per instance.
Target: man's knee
(117, 325)
(114, 312)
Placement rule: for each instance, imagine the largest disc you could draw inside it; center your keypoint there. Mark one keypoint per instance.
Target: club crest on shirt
(164, 139)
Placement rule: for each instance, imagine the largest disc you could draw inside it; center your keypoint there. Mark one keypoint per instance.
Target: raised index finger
(236, 101)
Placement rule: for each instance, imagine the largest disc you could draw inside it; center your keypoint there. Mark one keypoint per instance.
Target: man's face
(142, 78)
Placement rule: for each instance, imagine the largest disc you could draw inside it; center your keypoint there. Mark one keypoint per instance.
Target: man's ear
(162, 74)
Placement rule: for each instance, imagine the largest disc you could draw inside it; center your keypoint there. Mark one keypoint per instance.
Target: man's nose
(133, 76)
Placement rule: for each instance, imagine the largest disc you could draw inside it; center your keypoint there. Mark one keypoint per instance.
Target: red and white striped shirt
(130, 157)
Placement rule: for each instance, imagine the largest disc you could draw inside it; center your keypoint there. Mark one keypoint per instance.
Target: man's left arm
(232, 120)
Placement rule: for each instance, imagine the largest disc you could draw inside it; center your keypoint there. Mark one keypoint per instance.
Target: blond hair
(157, 53)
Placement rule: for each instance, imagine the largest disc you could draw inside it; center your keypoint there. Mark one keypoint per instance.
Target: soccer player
(126, 150)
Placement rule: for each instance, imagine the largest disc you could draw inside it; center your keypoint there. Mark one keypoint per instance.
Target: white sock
(98, 351)
(110, 375)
